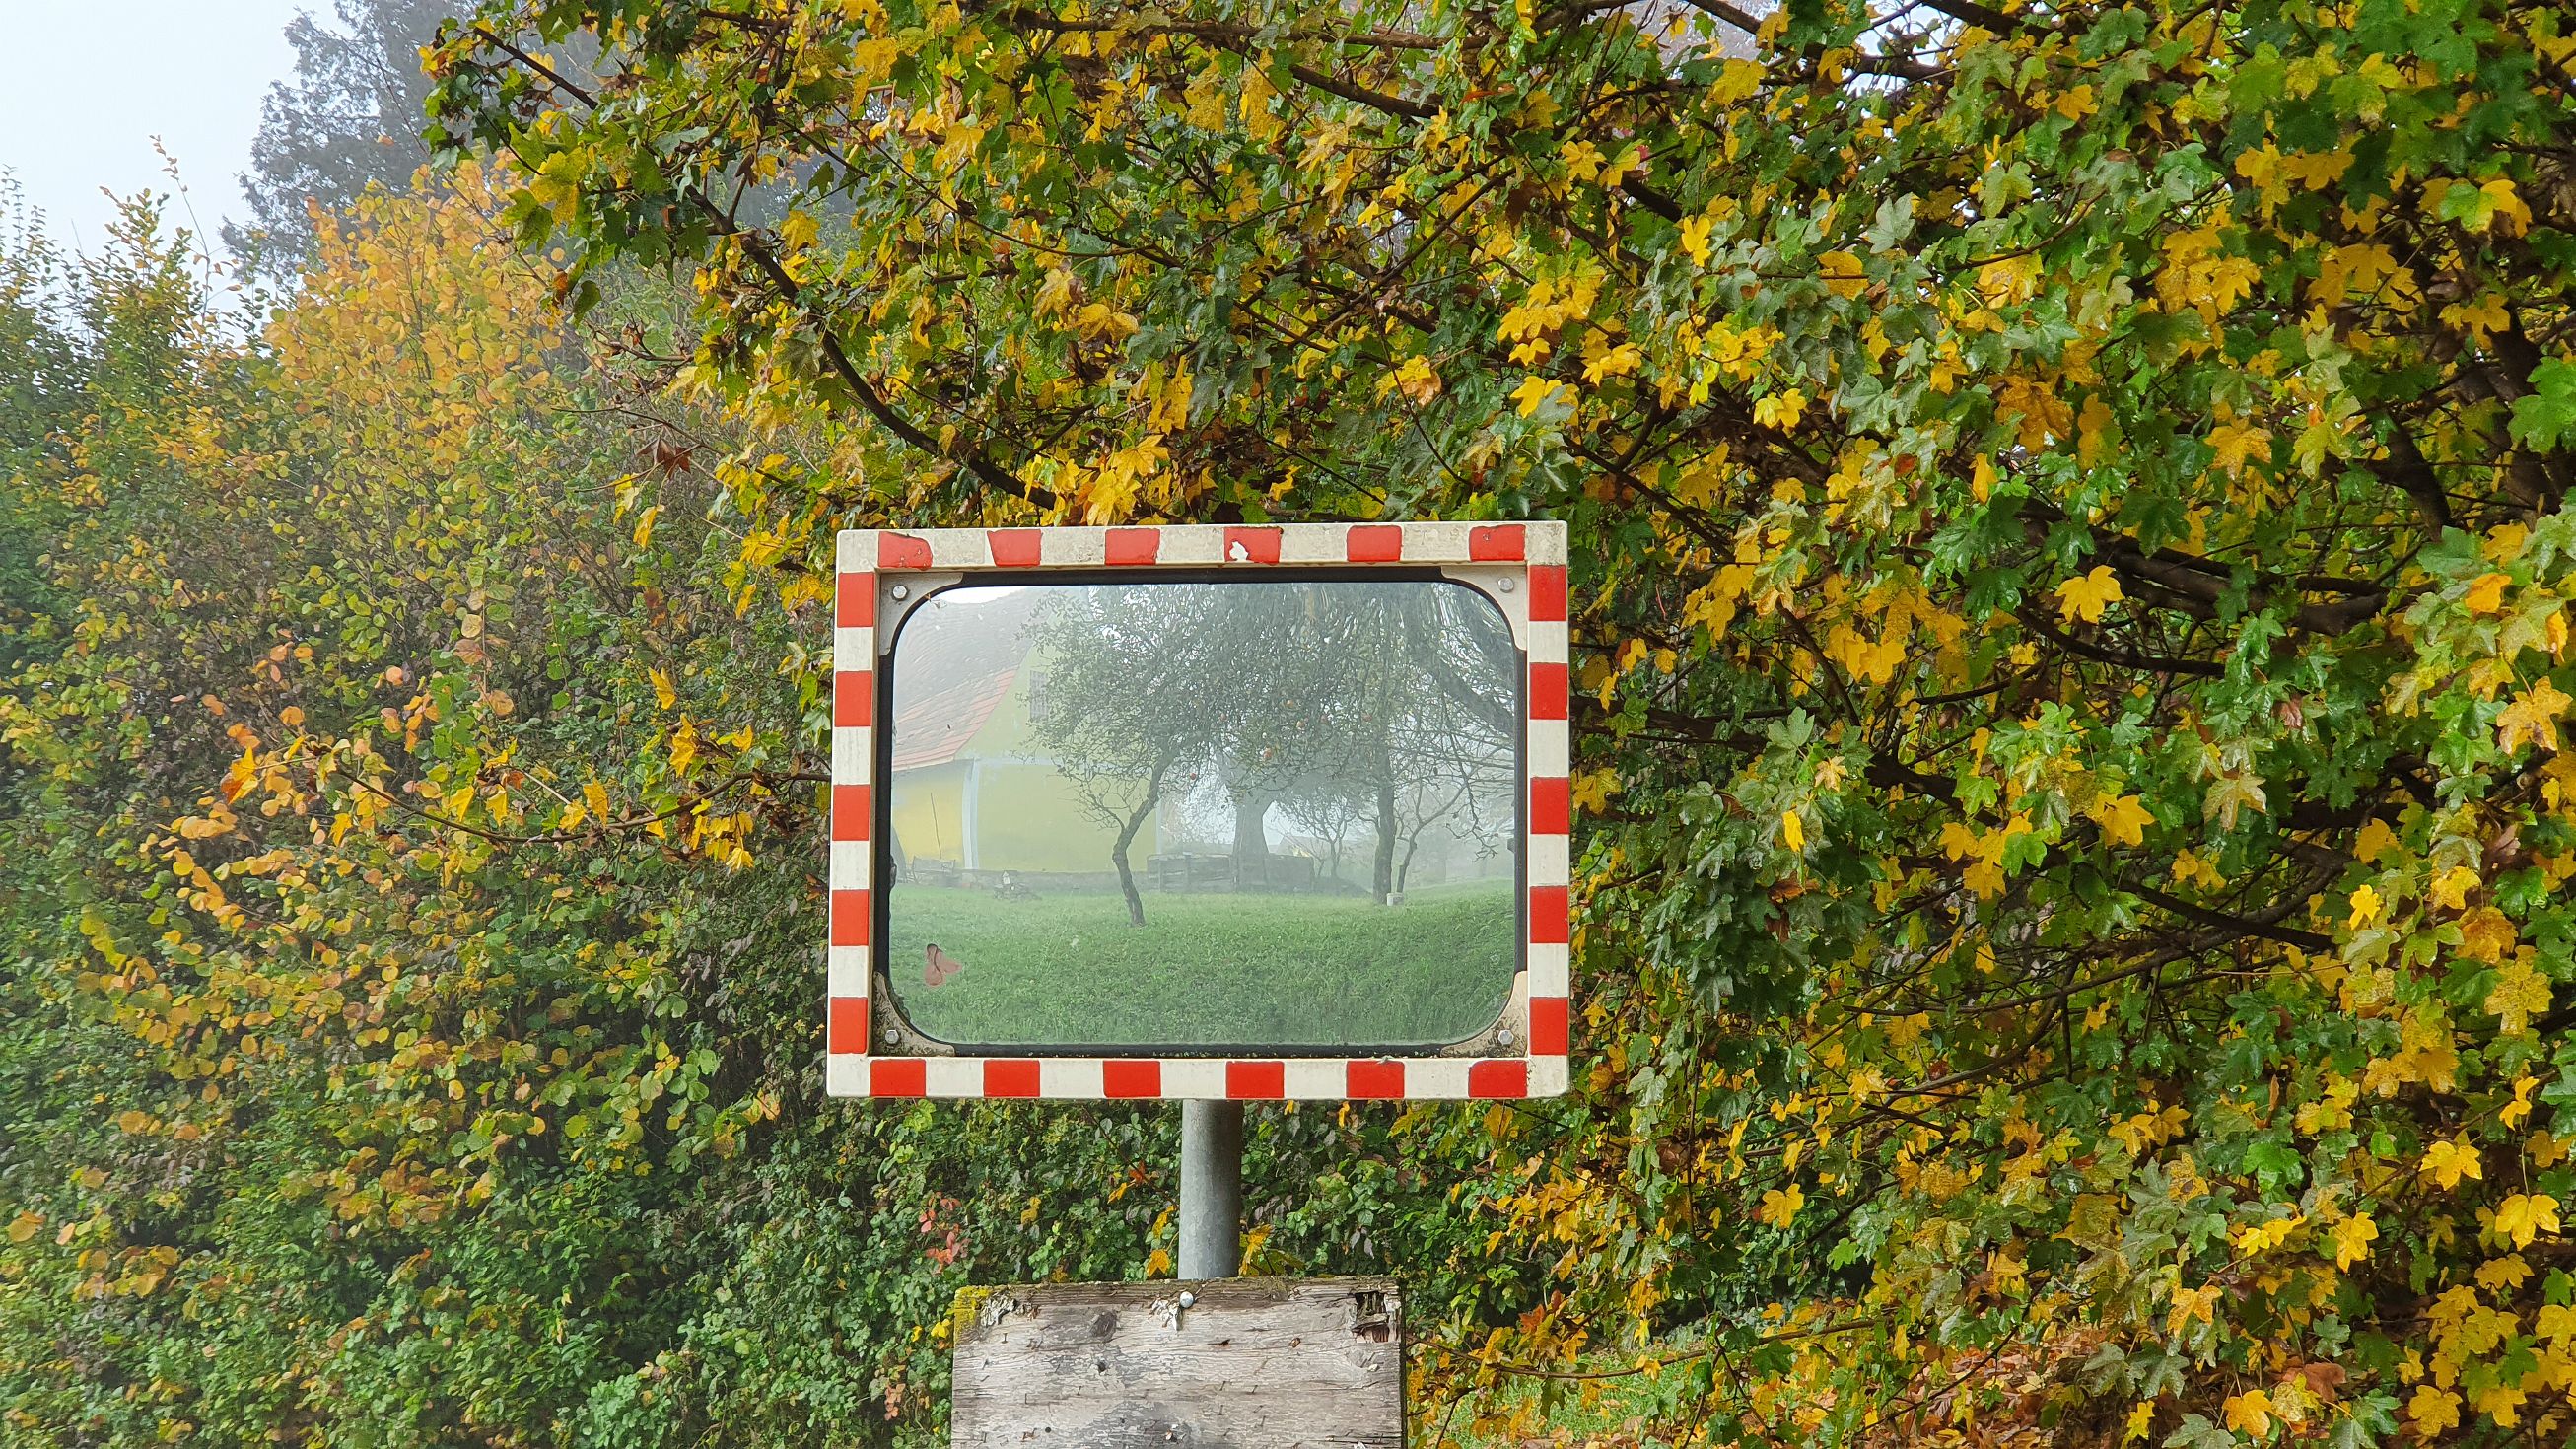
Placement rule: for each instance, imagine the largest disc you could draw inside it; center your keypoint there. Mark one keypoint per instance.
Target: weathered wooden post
(1243, 1363)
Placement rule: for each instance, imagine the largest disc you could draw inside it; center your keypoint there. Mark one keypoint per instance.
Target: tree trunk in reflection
(1251, 839)
(1135, 822)
(1386, 834)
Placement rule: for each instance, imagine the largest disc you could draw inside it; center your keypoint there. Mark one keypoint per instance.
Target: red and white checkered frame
(1520, 566)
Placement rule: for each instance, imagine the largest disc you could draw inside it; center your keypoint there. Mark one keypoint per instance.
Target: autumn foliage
(2071, 570)
(409, 1031)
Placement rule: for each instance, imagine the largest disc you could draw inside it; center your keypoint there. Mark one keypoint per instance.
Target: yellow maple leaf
(1056, 293)
(2124, 818)
(1102, 322)
(2502, 200)
(2263, 1237)
(2190, 869)
(1616, 361)
(2481, 318)
(2365, 908)
(2555, 1322)
(2237, 444)
(2250, 1413)
(2352, 1239)
(2451, 888)
(1780, 409)
(2487, 934)
(2532, 718)
(2191, 1305)
(2545, 1148)
(1739, 79)
(2448, 1162)
(2525, 1216)
(1592, 791)
(24, 1226)
(1780, 1206)
(2520, 993)
(2486, 596)
(557, 183)
(2501, 1276)
(1533, 393)
(1842, 272)
(2433, 1410)
(1793, 831)
(2500, 1401)
(2512, 1113)
(1419, 381)
(1695, 230)
(2085, 597)
(662, 689)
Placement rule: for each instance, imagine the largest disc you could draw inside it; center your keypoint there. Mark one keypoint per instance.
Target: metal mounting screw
(1503, 1037)
(1508, 585)
(901, 591)
(1189, 1300)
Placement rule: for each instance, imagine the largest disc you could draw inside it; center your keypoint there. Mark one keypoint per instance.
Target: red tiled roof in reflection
(953, 663)
(930, 729)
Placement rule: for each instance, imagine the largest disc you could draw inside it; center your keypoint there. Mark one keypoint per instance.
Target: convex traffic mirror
(1217, 812)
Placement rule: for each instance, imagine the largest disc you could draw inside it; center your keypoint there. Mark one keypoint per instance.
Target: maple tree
(2067, 513)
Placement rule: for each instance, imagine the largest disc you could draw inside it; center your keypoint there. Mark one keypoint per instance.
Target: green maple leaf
(2549, 413)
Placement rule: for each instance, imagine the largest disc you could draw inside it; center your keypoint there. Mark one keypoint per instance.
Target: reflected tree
(1385, 703)
(1421, 703)
(1125, 717)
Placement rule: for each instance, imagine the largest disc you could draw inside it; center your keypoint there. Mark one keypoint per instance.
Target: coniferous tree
(349, 117)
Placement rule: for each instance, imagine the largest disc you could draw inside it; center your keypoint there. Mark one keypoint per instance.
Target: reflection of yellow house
(974, 786)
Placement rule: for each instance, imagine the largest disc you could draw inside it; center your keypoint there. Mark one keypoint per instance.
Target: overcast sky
(86, 84)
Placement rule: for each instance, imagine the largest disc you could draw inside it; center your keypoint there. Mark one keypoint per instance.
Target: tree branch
(1224, 32)
(986, 471)
(2220, 920)
(1376, 100)
(2032, 620)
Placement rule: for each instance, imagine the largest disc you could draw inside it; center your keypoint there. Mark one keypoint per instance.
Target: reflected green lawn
(1206, 970)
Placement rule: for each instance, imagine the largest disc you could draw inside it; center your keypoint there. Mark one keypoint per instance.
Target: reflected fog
(1275, 815)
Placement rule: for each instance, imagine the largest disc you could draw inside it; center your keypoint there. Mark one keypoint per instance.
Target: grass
(1206, 971)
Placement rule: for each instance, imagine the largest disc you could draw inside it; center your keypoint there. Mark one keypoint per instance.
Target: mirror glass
(1274, 816)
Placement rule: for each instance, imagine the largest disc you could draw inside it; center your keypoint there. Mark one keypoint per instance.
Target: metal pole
(1211, 1190)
